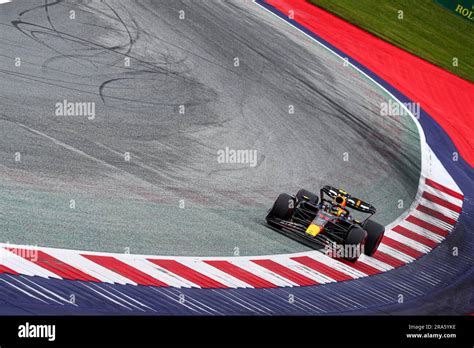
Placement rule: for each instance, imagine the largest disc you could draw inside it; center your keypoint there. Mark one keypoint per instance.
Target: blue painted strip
(442, 281)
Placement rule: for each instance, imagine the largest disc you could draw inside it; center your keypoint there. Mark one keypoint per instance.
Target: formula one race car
(327, 223)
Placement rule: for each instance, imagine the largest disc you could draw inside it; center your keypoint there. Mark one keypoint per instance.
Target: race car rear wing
(351, 202)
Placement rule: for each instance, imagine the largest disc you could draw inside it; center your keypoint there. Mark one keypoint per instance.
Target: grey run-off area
(167, 91)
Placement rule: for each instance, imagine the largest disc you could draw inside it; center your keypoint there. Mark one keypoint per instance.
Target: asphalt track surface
(136, 204)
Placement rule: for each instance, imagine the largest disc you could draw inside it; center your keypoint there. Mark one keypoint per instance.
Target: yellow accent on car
(313, 230)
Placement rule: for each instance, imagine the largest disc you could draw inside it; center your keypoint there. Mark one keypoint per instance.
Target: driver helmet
(340, 200)
(339, 205)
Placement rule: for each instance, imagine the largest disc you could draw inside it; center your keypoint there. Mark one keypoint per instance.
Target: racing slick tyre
(356, 240)
(375, 233)
(283, 207)
(307, 196)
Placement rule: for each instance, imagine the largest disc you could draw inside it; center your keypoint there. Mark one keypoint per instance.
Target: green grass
(428, 30)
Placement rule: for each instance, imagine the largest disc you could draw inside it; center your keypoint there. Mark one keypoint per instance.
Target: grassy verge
(427, 29)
